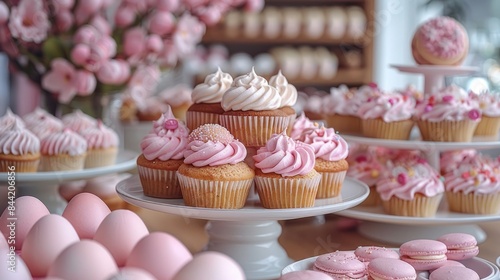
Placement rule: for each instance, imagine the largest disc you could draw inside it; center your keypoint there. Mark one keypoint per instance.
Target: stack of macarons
(423, 258)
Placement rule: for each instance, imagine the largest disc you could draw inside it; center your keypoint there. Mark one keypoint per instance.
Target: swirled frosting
(45, 125)
(477, 176)
(489, 103)
(285, 156)
(212, 145)
(366, 168)
(287, 91)
(177, 95)
(405, 179)
(213, 87)
(63, 142)
(251, 92)
(301, 123)
(344, 101)
(8, 118)
(78, 121)
(100, 137)
(390, 107)
(327, 144)
(451, 103)
(17, 140)
(337, 98)
(443, 37)
(167, 140)
(449, 160)
(34, 116)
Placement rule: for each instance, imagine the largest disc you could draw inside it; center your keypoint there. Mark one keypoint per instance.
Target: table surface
(302, 238)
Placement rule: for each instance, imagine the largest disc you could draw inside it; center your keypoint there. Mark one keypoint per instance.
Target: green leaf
(52, 48)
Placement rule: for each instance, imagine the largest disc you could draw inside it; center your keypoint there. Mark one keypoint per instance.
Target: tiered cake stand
(398, 229)
(45, 185)
(248, 235)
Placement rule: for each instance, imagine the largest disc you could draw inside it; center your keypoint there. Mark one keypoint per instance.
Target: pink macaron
(368, 253)
(453, 273)
(424, 254)
(340, 264)
(305, 275)
(461, 246)
(393, 269)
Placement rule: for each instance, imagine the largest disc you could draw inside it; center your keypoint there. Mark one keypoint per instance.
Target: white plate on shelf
(485, 269)
(353, 193)
(437, 69)
(126, 160)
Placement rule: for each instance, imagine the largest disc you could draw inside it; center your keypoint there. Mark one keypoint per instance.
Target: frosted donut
(440, 41)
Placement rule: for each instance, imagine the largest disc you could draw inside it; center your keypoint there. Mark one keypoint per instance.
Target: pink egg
(84, 260)
(85, 212)
(161, 254)
(13, 267)
(133, 273)
(211, 266)
(48, 237)
(3, 243)
(27, 211)
(119, 232)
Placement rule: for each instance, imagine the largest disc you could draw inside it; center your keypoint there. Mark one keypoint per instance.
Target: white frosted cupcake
(288, 94)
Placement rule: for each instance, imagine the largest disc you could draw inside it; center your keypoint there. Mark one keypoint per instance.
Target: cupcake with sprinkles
(214, 173)
(489, 104)
(366, 167)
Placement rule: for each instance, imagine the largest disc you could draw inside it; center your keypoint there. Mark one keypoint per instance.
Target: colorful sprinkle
(402, 178)
(474, 114)
(171, 124)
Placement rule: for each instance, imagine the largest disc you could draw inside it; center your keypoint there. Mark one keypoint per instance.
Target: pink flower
(194, 4)
(64, 20)
(154, 44)
(114, 72)
(29, 21)
(210, 14)
(65, 81)
(4, 13)
(188, 34)
(101, 24)
(133, 42)
(86, 34)
(161, 23)
(168, 56)
(60, 5)
(86, 9)
(254, 5)
(167, 5)
(80, 53)
(124, 16)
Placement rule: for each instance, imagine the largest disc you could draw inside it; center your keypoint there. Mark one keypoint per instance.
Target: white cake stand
(248, 235)
(45, 185)
(398, 229)
(434, 75)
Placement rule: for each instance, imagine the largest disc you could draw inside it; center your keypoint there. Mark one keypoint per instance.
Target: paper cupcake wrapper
(214, 194)
(378, 128)
(195, 119)
(20, 165)
(420, 206)
(159, 183)
(488, 126)
(330, 184)
(447, 131)
(62, 163)
(276, 193)
(254, 131)
(373, 198)
(291, 121)
(343, 123)
(101, 157)
(483, 204)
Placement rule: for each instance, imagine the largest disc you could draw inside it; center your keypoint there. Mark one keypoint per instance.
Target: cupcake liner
(378, 128)
(484, 204)
(420, 206)
(214, 194)
(254, 131)
(101, 157)
(62, 162)
(20, 165)
(291, 121)
(195, 119)
(488, 126)
(159, 183)
(275, 193)
(344, 123)
(447, 131)
(373, 198)
(330, 184)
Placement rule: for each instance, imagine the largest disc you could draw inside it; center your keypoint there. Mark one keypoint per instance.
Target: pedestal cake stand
(45, 185)
(248, 235)
(398, 229)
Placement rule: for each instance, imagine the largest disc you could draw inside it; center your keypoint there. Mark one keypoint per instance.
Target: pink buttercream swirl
(390, 107)
(64, 142)
(100, 137)
(78, 121)
(285, 156)
(9, 117)
(210, 153)
(327, 144)
(344, 101)
(406, 179)
(476, 175)
(366, 168)
(443, 37)
(17, 140)
(167, 140)
(301, 123)
(489, 103)
(45, 125)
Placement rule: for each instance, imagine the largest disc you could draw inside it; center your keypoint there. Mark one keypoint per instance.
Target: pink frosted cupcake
(214, 174)
(331, 151)
(300, 123)
(178, 98)
(9, 117)
(252, 110)
(448, 115)
(489, 104)
(368, 169)
(449, 160)
(412, 188)
(19, 148)
(102, 146)
(78, 121)
(162, 154)
(207, 97)
(288, 94)
(44, 125)
(474, 186)
(63, 151)
(284, 173)
(387, 116)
